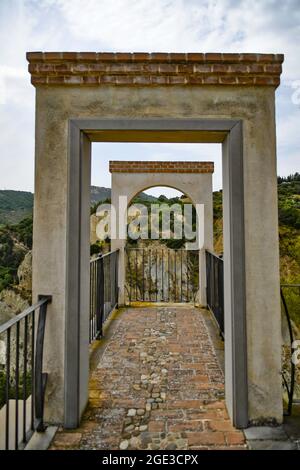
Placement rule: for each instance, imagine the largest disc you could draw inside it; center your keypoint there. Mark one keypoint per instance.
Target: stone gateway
(161, 97)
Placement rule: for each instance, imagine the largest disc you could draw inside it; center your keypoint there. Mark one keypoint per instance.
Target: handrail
(161, 274)
(101, 256)
(43, 300)
(23, 374)
(214, 254)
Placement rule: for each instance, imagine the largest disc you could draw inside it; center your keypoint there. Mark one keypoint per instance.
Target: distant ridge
(16, 205)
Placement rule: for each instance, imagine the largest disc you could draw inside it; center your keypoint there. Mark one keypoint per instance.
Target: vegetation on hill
(99, 194)
(289, 202)
(289, 236)
(16, 239)
(171, 243)
(105, 199)
(289, 240)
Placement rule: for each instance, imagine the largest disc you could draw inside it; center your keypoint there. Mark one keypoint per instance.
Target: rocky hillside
(99, 194)
(289, 236)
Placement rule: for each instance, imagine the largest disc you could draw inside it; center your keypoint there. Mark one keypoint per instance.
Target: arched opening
(159, 264)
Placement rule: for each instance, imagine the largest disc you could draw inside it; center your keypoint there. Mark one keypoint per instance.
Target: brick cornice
(155, 69)
(116, 166)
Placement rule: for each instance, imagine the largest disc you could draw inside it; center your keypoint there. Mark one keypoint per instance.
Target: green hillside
(15, 242)
(289, 236)
(16, 238)
(15, 206)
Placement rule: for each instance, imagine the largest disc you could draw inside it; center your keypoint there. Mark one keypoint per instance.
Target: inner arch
(147, 190)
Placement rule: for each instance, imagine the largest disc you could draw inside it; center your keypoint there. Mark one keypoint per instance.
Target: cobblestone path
(158, 385)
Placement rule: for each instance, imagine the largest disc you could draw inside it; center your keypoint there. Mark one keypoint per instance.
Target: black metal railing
(103, 291)
(22, 381)
(290, 355)
(162, 275)
(215, 288)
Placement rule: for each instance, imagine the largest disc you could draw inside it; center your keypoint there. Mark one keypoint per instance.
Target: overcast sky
(141, 25)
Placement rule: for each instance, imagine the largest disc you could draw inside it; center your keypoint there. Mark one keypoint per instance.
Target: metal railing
(289, 365)
(22, 381)
(162, 275)
(215, 288)
(103, 291)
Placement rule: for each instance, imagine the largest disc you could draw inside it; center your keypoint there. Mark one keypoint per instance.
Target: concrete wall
(255, 106)
(198, 187)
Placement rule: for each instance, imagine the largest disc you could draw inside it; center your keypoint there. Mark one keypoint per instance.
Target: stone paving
(158, 385)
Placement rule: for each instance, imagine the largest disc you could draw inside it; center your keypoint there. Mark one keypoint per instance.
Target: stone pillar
(50, 246)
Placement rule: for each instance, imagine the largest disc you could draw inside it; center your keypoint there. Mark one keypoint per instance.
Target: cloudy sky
(141, 25)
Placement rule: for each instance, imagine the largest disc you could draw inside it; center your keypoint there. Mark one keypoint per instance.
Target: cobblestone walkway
(158, 385)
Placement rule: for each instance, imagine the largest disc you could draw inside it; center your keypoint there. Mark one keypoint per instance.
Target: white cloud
(13, 85)
(139, 25)
(190, 25)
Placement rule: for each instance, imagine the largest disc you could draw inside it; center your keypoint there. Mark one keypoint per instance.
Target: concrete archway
(191, 178)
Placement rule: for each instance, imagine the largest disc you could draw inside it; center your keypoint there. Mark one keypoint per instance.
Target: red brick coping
(160, 167)
(155, 69)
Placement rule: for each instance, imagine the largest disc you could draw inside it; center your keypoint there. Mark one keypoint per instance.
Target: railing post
(117, 278)
(221, 295)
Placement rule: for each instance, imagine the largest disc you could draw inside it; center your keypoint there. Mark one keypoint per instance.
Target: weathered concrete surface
(268, 438)
(255, 106)
(41, 440)
(157, 385)
(198, 187)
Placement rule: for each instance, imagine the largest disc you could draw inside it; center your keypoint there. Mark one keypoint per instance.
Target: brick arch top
(194, 179)
(158, 185)
(116, 166)
(153, 69)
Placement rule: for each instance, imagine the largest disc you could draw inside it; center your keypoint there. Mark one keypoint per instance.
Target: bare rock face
(6, 312)
(2, 353)
(17, 299)
(25, 273)
(93, 224)
(12, 301)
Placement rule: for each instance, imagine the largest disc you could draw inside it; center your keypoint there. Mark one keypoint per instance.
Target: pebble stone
(144, 427)
(124, 445)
